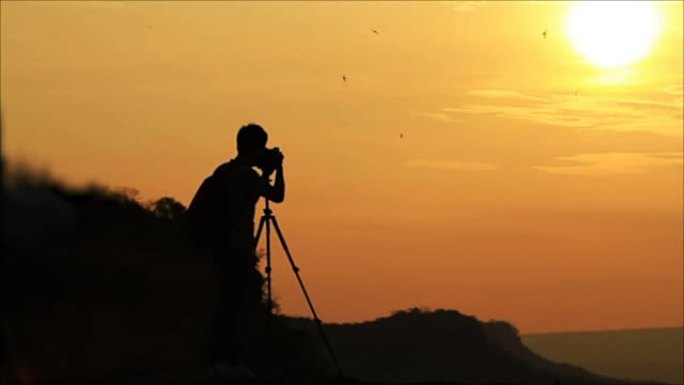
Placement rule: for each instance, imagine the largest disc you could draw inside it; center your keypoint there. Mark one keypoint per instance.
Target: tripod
(266, 220)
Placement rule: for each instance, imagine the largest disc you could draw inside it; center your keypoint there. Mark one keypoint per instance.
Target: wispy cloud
(440, 116)
(661, 114)
(505, 94)
(539, 114)
(109, 4)
(676, 89)
(102, 5)
(451, 165)
(612, 163)
(465, 6)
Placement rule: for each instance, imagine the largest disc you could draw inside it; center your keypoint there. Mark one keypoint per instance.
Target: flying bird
(544, 34)
(344, 78)
(375, 31)
(401, 135)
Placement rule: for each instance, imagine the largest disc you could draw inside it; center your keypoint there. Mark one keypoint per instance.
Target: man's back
(240, 285)
(240, 186)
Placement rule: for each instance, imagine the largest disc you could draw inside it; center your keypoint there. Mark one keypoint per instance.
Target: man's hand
(267, 171)
(276, 192)
(276, 163)
(278, 158)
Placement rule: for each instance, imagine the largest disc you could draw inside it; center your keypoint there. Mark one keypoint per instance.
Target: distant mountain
(443, 346)
(638, 354)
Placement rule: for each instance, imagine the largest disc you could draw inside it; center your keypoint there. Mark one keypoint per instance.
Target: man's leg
(225, 343)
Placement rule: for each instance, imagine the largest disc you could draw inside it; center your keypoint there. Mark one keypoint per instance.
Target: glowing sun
(613, 33)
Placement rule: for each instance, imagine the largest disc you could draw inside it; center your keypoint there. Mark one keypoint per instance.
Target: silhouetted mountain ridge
(443, 346)
(103, 289)
(654, 354)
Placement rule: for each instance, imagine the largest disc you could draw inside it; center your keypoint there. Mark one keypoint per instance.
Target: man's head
(251, 141)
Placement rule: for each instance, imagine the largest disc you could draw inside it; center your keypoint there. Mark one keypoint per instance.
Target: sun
(613, 33)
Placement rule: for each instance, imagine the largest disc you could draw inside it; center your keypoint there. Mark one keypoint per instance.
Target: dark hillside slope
(443, 346)
(100, 287)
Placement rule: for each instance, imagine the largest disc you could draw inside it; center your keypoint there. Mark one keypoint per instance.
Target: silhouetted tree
(101, 287)
(168, 208)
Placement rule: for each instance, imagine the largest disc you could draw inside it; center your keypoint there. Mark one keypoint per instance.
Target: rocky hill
(443, 346)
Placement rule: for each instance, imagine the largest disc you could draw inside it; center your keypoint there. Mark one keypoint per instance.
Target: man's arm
(276, 192)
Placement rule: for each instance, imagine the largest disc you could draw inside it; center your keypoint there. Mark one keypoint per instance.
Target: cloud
(539, 114)
(465, 6)
(676, 89)
(613, 163)
(504, 94)
(92, 4)
(661, 114)
(440, 116)
(647, 104)
(106, 5)
(451, 165)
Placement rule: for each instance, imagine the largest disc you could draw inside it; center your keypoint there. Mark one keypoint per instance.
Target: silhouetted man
(240, 283)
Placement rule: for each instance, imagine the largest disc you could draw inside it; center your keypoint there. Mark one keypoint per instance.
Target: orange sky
(530, 185)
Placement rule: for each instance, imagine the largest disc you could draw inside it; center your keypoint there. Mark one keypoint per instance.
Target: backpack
(207, 213)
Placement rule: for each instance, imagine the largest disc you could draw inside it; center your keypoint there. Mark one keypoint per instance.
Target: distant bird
(544, 34)
(344, 78)
(375, 31)
(401, 135)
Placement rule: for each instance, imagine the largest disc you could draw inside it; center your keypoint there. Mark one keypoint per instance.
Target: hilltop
(444, 346)
(104, 289)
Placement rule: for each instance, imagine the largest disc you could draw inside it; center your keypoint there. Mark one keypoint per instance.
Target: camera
(270, 159)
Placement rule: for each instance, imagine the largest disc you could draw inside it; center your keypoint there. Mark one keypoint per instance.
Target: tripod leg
(268, 266)
(264, 220)
(306, 295)
(261, 227)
